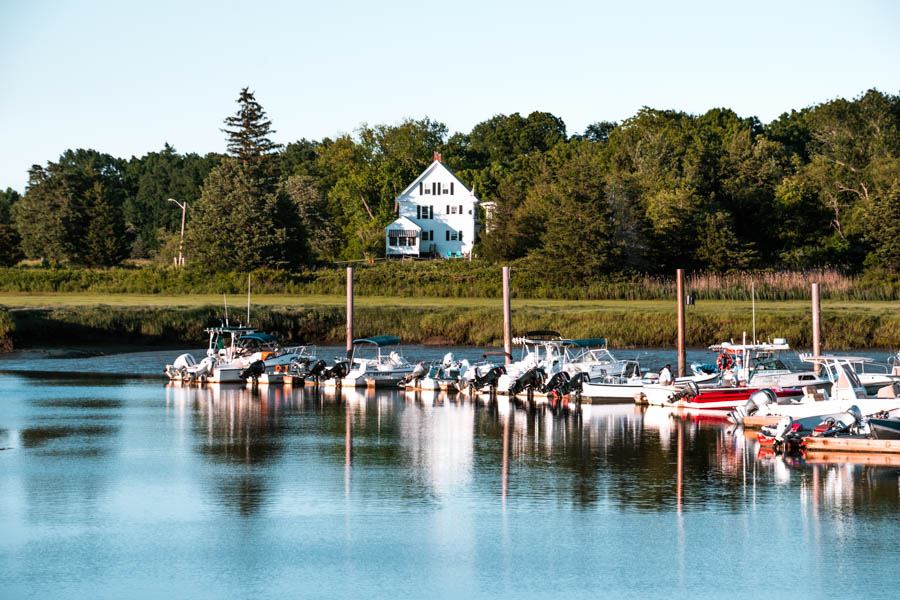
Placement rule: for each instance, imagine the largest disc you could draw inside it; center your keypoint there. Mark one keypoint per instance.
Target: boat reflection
(434, 446)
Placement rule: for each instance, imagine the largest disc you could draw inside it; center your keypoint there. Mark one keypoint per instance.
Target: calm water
(116, 487)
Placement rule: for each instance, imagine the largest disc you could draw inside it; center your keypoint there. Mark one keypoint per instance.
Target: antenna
(226, 308)
(248, 299)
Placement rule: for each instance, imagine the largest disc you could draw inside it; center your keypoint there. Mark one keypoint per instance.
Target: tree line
(816, 187)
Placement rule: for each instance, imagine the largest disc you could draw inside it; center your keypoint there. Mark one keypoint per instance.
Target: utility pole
(181, 242)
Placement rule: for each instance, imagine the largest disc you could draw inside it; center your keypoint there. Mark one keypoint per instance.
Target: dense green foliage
(818, 187)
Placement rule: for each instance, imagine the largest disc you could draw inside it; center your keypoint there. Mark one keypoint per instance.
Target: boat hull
(708, 398)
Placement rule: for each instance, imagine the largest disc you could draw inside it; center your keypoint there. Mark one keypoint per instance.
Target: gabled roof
(435, 165)
(404, 223)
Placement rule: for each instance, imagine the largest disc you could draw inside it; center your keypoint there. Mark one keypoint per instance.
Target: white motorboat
(625, 388)
(443, 376)
(591, 356)
(376, 361)
(846, 390)
(543, 356)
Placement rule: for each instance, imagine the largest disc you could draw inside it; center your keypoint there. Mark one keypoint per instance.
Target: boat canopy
(379, 340)
(587, 342)
(263, 338)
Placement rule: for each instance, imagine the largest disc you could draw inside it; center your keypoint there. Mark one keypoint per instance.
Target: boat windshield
(768, 362)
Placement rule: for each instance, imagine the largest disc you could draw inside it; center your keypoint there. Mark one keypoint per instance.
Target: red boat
(729, 398)
(720, 398)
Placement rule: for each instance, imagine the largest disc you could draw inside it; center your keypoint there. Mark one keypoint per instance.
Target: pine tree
(248, 132)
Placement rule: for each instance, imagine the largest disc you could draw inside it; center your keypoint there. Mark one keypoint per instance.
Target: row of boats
(746, 381)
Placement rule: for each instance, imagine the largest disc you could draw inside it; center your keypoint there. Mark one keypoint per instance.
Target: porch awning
(403, 233)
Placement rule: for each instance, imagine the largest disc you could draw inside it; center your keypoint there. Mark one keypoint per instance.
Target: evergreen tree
(248, 134)
(10, 242)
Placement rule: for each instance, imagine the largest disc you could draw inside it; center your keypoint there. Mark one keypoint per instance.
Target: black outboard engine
(253, 371)
(489, 379)
(317, 369)
(531, 379)
(558, 383)
(338, 371)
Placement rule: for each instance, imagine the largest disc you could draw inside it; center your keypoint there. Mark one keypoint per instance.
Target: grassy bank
(624, 324)
(446, 279)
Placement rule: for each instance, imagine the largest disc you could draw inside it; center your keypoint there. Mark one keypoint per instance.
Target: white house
(437, 216)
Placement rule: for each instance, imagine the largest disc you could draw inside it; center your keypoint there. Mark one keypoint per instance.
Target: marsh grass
(447, 279)
(635, 324)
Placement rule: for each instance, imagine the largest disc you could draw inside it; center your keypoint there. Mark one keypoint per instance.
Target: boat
(690, 395)
(374, 362)
(552, 365)
(758, 365)
(443, 376)
(885, 429)
(592, 357)
(625, 388)
(846, 390)
(235, 354)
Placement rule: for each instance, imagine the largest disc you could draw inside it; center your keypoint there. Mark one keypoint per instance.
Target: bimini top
(587, 342)
(263, 338)
(379, 340)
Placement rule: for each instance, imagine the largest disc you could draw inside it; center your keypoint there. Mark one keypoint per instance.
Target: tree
(312, 208)
(10, 242)
(235, 225)
(72, 210)
(248, 134)
(152, 180)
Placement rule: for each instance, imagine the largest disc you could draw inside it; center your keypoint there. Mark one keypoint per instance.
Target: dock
(754, 422)
(847, 445)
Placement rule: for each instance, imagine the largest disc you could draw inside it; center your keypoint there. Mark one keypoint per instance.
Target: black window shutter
(418, 212)
(421, 191)
(451, 188)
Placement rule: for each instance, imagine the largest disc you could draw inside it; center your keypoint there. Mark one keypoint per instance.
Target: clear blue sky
(125, 77)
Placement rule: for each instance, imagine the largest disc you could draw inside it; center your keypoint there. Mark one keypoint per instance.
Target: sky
(126, 77)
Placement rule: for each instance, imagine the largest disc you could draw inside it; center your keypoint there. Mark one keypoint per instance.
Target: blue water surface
(117, 486)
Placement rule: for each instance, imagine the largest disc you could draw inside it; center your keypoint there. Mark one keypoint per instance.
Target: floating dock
(847, 445)
(753, 422)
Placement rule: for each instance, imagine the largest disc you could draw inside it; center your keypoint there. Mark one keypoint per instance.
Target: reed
(450, 279)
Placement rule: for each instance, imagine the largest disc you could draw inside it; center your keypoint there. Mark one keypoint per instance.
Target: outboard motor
(448, 360)
(556, 383)
(757, 399)
(859, 421)
(317, 369)
(338, 371)
(531, 379)
(489, 379)
(417, 373)
(253, 371)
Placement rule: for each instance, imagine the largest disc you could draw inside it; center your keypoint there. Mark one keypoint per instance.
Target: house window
(453, 236)
(427, 191)
(427, 212)
(392, 241)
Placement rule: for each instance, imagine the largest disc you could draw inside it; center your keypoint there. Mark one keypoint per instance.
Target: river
(114, 484)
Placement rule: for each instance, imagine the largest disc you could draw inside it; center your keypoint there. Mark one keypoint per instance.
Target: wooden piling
(349, 311)
(816, 326)
(679, 279)
(507, 317)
